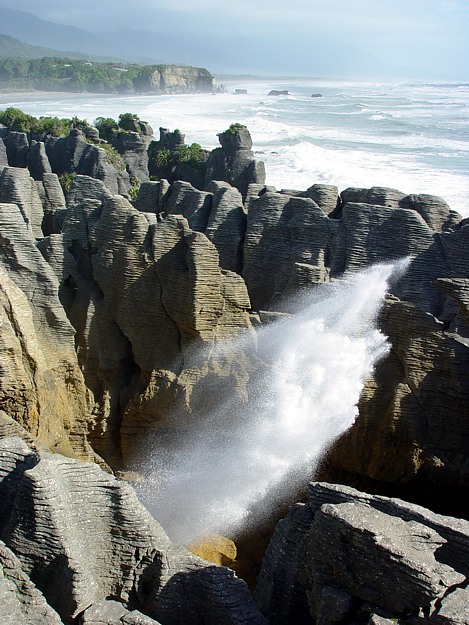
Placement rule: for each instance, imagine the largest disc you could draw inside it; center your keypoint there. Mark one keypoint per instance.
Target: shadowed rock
(17, 148)
(37, 161)
(3, 154)
(346, 555)
(21, 602)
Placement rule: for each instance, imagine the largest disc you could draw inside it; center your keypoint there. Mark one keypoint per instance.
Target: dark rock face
(21, 601)
(234, 162)
(17, 148)
(72, 154)
(3, 154)
(37, 161)
(348, 557)
(133, 148)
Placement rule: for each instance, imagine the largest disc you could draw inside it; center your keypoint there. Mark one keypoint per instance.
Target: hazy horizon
(398, 39)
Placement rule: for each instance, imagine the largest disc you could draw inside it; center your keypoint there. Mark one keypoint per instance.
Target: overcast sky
(427, 34)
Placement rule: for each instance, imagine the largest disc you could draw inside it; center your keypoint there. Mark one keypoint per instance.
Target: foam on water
(301, 399)
(411, 137)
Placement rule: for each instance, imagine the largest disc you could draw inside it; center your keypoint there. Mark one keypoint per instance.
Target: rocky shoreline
(112, 270)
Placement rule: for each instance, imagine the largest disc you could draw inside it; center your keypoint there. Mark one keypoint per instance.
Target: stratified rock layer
(346, 556)
(82, 536)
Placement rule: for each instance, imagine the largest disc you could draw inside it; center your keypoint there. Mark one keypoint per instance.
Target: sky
(428, 35)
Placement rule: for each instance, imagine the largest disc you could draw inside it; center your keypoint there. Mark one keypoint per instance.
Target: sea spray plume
(304, 395)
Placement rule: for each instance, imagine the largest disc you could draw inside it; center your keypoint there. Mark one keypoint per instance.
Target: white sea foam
(414, 137)
(306, 395)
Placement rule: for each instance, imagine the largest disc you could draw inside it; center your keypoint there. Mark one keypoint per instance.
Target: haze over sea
(412, 137)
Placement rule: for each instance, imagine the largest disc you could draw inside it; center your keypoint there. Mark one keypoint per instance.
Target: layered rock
(141, 296)
(174, 79)
(21, 601)
(73, 154)
(347, 557)
(17, 187)
(42, 387)
(3, 154)
(234, 161)
(93, 539)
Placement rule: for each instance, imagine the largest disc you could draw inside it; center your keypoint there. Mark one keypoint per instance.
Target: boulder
(278, 92)
(349, 557)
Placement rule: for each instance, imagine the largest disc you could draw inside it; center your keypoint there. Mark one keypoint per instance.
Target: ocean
(411, 137)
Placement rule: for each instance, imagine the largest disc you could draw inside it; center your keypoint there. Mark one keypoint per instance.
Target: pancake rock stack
(117, 314)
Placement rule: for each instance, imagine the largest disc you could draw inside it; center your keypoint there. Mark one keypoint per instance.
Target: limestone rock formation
(73, 154)
(173, 79)
(41, 385)
(133, 148)
(20, 600)
(141, 296)
(3, 154)
(152, 197)
(37, 161)
(113, 613)
(17, 187)
(17, 148)
(53, 203)
(287, 242)
(82, 536)
(347, 557)
(234, 161)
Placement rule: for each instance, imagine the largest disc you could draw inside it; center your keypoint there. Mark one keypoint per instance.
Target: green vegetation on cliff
(65, 74)
(16, 120)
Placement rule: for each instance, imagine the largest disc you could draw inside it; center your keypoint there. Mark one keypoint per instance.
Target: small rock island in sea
(122, 253)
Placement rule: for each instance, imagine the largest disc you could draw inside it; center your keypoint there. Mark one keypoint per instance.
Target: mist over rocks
(119, 314)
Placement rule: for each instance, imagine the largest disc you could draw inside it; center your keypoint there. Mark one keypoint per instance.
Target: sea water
(411, 137)
(302, 397)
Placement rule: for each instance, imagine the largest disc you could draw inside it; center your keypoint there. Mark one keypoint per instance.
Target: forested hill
(14, 48)
(59, 74)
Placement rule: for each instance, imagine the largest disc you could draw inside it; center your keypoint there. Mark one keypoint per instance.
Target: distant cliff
(65, 74)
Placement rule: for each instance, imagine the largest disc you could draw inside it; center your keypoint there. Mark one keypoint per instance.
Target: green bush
(66, 181)
(112, 156)
(134, 188)
(189, 154)
(163, 157)
(16, 119)
(127, 121)
(235, 128)
(107, 127)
